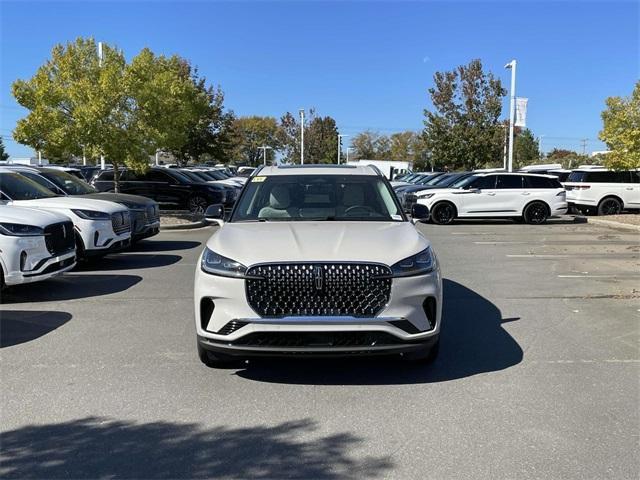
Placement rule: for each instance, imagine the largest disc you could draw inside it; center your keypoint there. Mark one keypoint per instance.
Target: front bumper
(317, 350)
(402, 326)
(146, 231)
(44, 269)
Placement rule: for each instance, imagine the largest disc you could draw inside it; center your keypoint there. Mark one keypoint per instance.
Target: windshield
(17, 187)
(317, 197)
(68, 183)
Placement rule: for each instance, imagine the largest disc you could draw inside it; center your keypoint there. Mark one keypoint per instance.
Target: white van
(602, 191)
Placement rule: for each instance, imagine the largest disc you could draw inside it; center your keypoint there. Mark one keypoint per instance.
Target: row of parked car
(530, 195)
(50, 219)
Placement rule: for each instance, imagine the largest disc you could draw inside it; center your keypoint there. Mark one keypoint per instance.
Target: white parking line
(587, 276)
(533, 255)
(504, 243)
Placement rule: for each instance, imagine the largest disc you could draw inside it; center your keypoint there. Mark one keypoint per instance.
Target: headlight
(18, 230)
(92, 214)
(426, 195)
(218, 265)
(418, 264)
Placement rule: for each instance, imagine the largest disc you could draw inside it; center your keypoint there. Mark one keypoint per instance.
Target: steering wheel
(365, 209)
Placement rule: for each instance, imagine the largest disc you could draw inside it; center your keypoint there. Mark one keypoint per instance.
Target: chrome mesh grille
(59, 237)
(121, 222)
(318, 289)
(153, 215)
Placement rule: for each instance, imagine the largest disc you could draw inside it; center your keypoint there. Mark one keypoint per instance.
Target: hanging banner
(521, 112)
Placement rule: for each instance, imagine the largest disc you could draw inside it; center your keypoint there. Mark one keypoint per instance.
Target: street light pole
(100, 56)
(348, 148)
(512, 110)
(540, 145)
(339, 145)
(301, 136)
(264, 149)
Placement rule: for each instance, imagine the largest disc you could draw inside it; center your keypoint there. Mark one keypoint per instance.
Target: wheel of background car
(443, 213)
(536, 213)
(197, 204)
(609, 206)
(354, 208)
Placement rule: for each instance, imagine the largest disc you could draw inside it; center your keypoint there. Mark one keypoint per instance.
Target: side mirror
(214, 214)
(420, 212)
(473, 190)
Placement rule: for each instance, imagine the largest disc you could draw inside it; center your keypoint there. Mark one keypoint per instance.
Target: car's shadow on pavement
(107, 448)
(472, 341)
(20, 326)
(128, 261)
(163, 245)
(69, 286)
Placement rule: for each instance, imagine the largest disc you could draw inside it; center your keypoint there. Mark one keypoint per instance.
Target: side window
(157, 176)
(486, 183)
(635, 176)
(128, 176)
(607, 177)
(541, 182)
(509, 181)
(105, 177)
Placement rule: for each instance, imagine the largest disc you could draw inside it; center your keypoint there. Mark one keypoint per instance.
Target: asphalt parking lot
(537, 375)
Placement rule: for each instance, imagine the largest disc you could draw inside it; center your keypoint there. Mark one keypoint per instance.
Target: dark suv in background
(170, 188)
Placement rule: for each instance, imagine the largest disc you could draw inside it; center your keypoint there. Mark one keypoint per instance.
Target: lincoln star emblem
(318, 277)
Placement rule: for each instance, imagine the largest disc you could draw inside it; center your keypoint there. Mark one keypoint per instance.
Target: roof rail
(376, 170)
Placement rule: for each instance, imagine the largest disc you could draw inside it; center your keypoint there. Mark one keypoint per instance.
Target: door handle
(628, 188)
(526, 193)
(491, 194)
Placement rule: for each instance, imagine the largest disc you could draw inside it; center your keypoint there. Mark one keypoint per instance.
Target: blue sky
(367, 64)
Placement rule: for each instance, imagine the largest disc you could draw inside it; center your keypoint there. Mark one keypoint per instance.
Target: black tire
(424, 356)
(443, 213)
(213, 360)
(536, 213)
(197, 204)
(609, 206)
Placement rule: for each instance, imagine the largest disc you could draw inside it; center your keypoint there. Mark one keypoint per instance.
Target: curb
(611, 223)
(185, 226)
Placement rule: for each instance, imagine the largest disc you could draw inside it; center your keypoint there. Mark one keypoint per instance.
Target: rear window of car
(600, 177)
(105, 176)
(541, 182)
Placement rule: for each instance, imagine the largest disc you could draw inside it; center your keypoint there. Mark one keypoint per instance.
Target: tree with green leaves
(463, 129)
(248, 134)
(621, 131)
(3, 155)
(526, 150)
(320, 138)
(80, 105)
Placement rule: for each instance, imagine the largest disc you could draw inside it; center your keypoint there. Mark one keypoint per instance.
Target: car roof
(316, 169)
(486, 174)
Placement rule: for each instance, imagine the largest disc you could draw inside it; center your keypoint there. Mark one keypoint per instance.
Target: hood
(265, 242)
(400, 184)
(129, 201)
(68, 203)
(30, 216)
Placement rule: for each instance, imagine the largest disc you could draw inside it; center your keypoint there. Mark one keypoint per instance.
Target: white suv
(34, 245)
(603, 191)
(100, 226)
(533, 198)
(317, 260)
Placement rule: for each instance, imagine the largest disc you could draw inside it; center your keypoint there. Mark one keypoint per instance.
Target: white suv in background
(100, 226)
(34, 245)
(340, 270)
(533, 198)
(601, 191)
